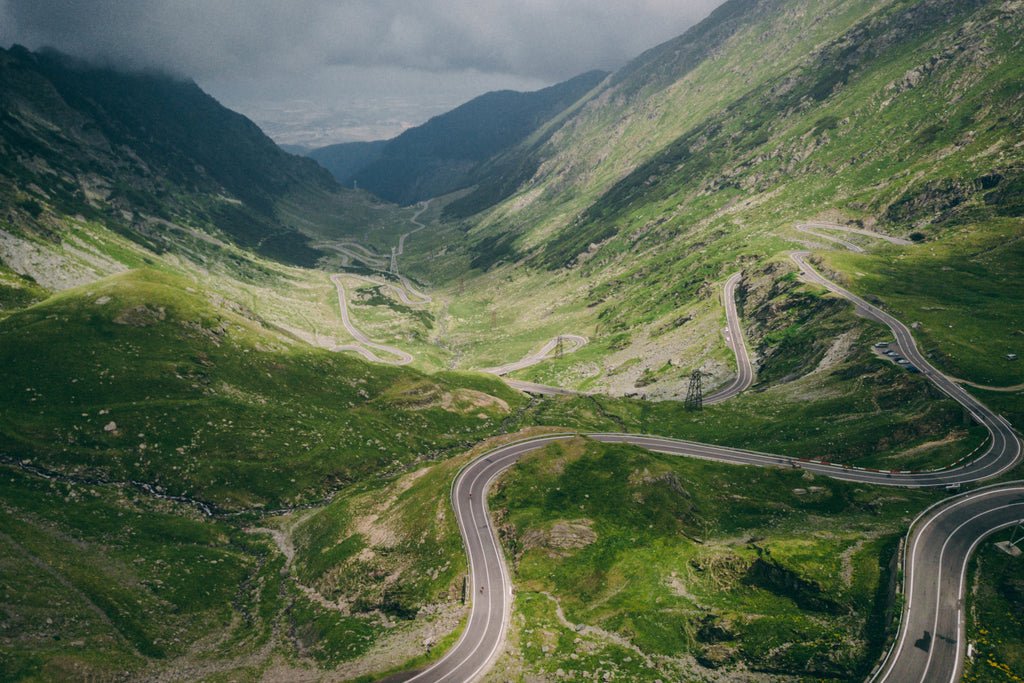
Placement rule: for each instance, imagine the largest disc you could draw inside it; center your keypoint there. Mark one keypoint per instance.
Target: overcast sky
(321, 71)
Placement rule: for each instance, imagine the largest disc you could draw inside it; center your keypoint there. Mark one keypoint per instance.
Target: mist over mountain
(110, 141)
(345, 159)
(445, 153)
(235, 394)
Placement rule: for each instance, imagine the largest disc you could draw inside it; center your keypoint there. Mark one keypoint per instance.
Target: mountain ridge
(147, 144)
(185, 373)
(876, 115)
(442, 155)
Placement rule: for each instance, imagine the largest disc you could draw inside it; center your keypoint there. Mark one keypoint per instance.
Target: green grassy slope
(157, 370)
(994, 603)
(899, 117)
(684, 560)
(101, 580)
(137, 405)
(896, 116)
(961, 294)
(196, 372)
(139, 150)
(136, 377)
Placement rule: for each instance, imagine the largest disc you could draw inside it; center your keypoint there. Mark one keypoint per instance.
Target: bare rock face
(563, 536)
(717, 655)
(140, 316)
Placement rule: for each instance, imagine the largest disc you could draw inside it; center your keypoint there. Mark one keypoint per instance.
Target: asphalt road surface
(1004, 449)
(931, 643)
(804, 227)
(573, 341)
(419, 226)
(485, 632)
(365, 343)
(933, 608)
(809, 228)
(539, 389)
(734, 340)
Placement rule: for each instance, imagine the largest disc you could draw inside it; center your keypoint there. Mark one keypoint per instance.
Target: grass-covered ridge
(104, 579)
(685, 560)
(201, 371)
(142, 377)
(874, 114)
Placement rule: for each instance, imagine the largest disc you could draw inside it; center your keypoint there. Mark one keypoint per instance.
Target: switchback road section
(365, 343)
(1004, 450)
(734, 340)
(575, 340)
(487, 627)
(955, 528)
(814, 229)
(352, 250)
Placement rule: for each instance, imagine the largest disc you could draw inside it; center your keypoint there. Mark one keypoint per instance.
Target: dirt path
(1010, 390)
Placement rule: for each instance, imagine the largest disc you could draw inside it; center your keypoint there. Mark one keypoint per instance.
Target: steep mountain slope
(442, 155)
(828, 116)
(151, 418)
(348, 158)
(897, 116)
(632, 102)
(166, 381)
(135, 149)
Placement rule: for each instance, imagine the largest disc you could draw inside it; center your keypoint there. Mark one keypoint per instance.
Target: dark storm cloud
(214, 39)
(315, 72)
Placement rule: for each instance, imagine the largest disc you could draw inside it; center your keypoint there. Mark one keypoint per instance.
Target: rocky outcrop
(563, 536)
(770, 575)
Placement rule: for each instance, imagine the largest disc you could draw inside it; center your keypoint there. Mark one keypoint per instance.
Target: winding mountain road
(365, 343)
(1004, 450)
(930, 644)
(954, 528)
(353, 250)
(812, 229)
(930, 641)
(733, 330)
(545, 353)
(734, 340)
(415, 221)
